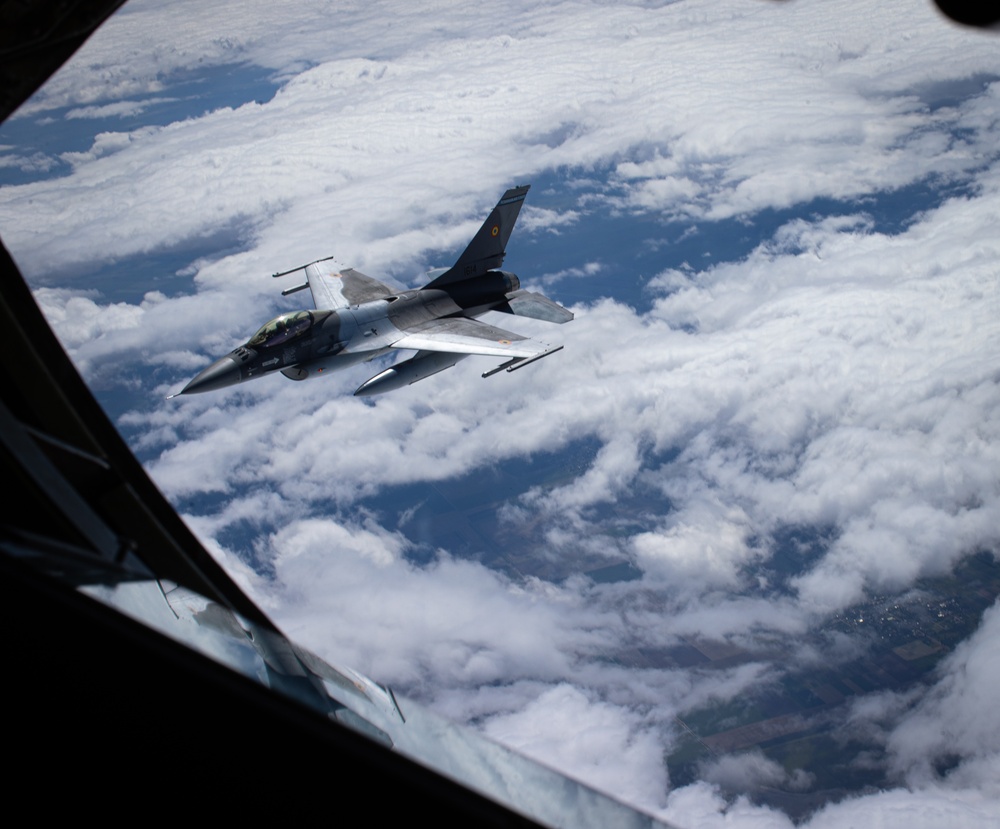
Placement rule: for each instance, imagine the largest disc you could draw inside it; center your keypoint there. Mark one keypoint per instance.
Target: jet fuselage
(303, 344)
(357, 318)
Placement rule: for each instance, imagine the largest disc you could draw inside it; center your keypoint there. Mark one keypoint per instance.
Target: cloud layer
(841, 377)
(727, 110)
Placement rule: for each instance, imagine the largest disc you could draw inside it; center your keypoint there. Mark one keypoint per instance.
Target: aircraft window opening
(281, 329)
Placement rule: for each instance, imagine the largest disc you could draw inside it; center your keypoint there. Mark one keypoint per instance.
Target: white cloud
(750, 771)
(535, 219)
(451, 619)
(119, 109)
(737, 108)
(701, 806)
(957, 718)
(78, 319)
(107, 143)
(34, 163)
(711, 548)
(603, 745)
(925, 808)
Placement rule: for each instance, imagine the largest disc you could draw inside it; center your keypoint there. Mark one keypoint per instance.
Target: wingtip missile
(520, 362)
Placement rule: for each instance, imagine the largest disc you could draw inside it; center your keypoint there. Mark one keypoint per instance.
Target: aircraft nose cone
(222, 373)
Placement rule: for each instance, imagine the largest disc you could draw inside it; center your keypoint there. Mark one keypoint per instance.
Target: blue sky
(776, 225)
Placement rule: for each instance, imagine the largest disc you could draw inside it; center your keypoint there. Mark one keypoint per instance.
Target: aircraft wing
(461, 335)
(333, 289)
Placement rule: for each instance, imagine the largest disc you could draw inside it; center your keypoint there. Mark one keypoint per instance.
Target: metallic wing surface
(531, 304)
(461, 335)
(333, 289)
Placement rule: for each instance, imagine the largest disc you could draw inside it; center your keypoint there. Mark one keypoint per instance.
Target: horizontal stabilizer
(536, 306)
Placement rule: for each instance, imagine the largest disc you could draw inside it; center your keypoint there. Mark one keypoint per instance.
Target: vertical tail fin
(487, 248)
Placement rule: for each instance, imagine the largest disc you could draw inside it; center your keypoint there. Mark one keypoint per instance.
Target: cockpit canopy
(282, 329)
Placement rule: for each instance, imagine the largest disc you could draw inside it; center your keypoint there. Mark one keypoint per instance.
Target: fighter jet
(357, 318)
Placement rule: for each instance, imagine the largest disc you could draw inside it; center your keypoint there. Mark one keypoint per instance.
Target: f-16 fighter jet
(357, 318)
